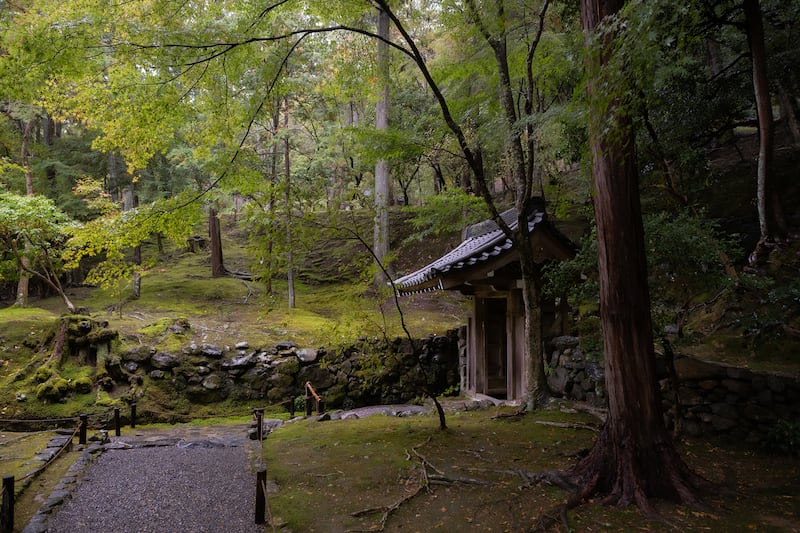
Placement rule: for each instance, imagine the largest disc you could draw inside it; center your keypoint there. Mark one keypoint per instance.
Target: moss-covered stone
(43, 373)
(82, 385)
(53, 390)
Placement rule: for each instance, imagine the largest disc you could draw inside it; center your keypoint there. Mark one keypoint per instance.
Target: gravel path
(205, 485)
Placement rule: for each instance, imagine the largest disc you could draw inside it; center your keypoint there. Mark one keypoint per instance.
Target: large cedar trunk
(634, 458)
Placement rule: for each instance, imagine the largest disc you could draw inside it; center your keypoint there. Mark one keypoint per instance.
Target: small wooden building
(485, 266)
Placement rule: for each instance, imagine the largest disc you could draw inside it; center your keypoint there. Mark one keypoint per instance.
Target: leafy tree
(111, 235)
(33, 232)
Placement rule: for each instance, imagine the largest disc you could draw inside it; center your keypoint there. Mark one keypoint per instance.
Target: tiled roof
(483, 241)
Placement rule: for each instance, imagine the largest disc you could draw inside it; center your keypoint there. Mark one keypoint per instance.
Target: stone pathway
(199, 479)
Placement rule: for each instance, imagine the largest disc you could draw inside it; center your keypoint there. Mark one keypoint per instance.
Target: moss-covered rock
(53, 390)
(82, 385)
(43, 373)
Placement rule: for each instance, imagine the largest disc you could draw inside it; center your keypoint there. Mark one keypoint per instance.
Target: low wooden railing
(311, 397)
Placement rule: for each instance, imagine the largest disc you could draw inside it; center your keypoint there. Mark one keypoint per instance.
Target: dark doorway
(496, 347)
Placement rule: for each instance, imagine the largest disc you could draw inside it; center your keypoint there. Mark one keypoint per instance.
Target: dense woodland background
(149, 120)
(131, 127)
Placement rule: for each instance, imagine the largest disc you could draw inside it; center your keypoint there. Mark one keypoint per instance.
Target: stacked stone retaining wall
(713, 399)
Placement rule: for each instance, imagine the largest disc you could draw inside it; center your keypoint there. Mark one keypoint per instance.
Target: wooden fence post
(82, 429)
(133, 414)
(261, 496)
(259, 414)
(7, 518)
(117, 428)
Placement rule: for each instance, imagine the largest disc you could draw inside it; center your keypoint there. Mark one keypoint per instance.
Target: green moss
(43, 373)
(53, 390)
(82, 385)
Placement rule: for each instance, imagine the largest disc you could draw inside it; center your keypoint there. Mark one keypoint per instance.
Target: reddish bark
(634, 458)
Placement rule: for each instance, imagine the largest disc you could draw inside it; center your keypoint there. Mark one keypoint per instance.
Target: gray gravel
(194, 488)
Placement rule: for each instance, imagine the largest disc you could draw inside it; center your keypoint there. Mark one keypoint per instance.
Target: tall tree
(770, 214)
(215, 243)
(381, 238)
(518, 140)
(33, 230)
(634, 458)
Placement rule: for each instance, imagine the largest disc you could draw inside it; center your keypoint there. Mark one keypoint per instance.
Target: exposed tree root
(387, 510)
(567, 425)
(428, 475)
(622, 478)
(58, 347)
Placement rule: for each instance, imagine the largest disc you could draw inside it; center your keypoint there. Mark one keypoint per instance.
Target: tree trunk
(536, 389)
(287, 197)
(770, 216)
(130, 202)
(381, 233)
(215, 244)
(789, 114)
(23, 285)
(634, 458)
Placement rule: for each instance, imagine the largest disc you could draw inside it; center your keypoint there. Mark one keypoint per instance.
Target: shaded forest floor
(472, 477)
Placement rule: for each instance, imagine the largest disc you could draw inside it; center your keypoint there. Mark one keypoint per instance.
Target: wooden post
(261, 496)
(308, 404)
(133, 414)
(259, 414)
(117, 429)
(320, 406)
(291, 407)
(7, 518)
(82, 429)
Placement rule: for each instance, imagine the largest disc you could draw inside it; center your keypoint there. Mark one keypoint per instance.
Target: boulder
(240, 363)
(557, 381)
(307, 355)
(139, 354)
(286, 346)
(164, 360)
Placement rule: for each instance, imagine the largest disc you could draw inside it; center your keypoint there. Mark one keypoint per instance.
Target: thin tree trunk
(23, 285)
(215, 244)
(287, 198)
(536, 389)
(381, 230)
(130, 202)
(789, 114)
(770, 217)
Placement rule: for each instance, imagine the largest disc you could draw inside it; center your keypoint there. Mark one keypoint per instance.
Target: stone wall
(714, 399)
(368, 372)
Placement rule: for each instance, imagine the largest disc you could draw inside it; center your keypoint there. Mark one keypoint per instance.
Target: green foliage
(784, 438)
(82, 385)
(443, 212)
(687, 258)
(53, 390)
